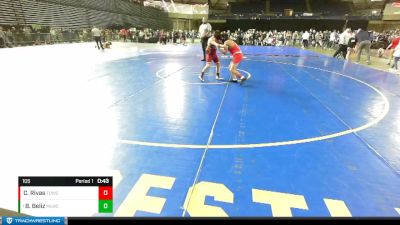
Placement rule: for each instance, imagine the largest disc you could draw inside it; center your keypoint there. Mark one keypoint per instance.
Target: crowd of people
(11, 36)
(325, 39)
(346, 44)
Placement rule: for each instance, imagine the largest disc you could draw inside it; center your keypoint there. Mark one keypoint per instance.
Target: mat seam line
(206, 149)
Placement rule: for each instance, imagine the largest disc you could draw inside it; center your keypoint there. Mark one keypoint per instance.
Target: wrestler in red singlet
(236, 53)
(211, 55)
(211, 52)
(237, 56)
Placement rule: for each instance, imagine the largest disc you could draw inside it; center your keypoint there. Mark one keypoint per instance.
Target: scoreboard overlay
(65, 196)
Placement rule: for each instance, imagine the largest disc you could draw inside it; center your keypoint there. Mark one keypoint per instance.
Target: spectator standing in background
(295, 37)
(306, 38)
(343, 43)
(332, 38)
(205, 33)
(123, 33)
(97, 37)
(163, 37)
(10, 35)
(392, 46)
(192, 34)
(363, 41)
(183, 38)
(396, 56)
(175, 37)
(2, 38)
(351, 46)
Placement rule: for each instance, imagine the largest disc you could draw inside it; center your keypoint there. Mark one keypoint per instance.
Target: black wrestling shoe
(242, 80)
(201, 78)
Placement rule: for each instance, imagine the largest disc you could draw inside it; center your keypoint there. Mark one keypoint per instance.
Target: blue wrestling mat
(307, 135)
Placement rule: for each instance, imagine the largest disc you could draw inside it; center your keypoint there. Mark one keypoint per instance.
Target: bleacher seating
(281, 5)
(7, 15)
(47, 14)
(84, 13)
(331, 7)
(257, 7)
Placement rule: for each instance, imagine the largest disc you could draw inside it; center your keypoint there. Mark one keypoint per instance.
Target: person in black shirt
(175, 38)
(183, 38)
(163, 37)
(351, 46)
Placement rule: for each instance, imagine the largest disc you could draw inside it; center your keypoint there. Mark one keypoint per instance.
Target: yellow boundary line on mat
(280, 143)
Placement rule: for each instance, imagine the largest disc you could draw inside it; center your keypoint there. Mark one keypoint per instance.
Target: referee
(205, 33)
